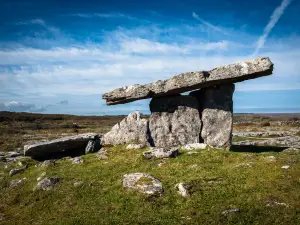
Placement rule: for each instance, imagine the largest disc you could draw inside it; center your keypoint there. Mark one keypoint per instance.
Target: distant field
(16, 129)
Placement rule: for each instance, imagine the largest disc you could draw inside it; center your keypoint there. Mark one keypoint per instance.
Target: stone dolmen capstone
(202, 116)
(192, 80)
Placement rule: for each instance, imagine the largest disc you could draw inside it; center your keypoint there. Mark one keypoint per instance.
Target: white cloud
(15, 106)
(278, 12)
(197, 17)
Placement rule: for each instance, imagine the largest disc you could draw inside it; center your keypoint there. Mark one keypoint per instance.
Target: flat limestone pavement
(191, 81)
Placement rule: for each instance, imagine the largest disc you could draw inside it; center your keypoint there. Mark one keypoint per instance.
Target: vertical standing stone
(216, 108)
(174, 121)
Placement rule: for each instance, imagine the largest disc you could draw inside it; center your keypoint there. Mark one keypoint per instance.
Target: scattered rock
(78, 183)
(102, 154)
(193, 166)
(41, 176)
(131, 129)
(77, 160)
(17, 171)
(174, 121)
(135, 146)
(230, 211)
(47, 183)
(182, 190)
(285, 167)
(44, 149)
(161, 163)
(13, 154)
(144, 183)
(193, 146)
(160, 153)
(47, 163)
(17, 183)
(274, 203)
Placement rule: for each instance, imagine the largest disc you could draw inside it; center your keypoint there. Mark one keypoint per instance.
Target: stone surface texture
(143, 183)
(131, 129)
(174, 121)
(47, 183)
(216, 107)
(76, 142)
(160, 153)
(193, 146)
(192, 80)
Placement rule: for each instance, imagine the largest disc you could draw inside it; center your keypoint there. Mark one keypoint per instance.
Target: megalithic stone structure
(203, 116)
(191, 81)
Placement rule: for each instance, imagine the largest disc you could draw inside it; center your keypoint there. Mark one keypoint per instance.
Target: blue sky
(60, 56)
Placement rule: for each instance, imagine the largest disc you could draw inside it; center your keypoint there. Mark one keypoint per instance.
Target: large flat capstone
(43, 149)
(192, 80)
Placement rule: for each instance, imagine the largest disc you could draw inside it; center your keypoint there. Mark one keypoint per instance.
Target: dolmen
(202, 116)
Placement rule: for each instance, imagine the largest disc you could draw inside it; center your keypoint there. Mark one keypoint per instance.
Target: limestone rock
(182, 190)
(93, 145)
(142, 182)
(49, 148)
(135, 146)
(216, 114)
(193, 146)
(41, 176)
(47, 184)
(47, 163)
(17, 183)
(17, 171)
(192, 80)
(77, 160)
(230, 211)
(160, 153)
(131, 129)
(174, 121)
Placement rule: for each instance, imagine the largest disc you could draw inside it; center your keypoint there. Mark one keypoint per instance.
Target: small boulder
(182, 190)
(47, 184)
(78, 183)
(135, 146)
(143, 183)
(17, 183)
(285, 167)
(47, 163)
(13, 154)
(16, 171)
(77, 160)
(160, 153)
(193, 146)
(230, 211)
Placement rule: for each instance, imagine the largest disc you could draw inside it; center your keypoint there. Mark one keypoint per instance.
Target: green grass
(214, 178)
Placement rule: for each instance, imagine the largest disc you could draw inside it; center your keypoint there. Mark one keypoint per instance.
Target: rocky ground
(256, 183)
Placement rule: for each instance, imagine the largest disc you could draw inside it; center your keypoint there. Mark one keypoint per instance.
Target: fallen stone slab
(161, 153)
(189, 81)
(143, 183)
(70, 143)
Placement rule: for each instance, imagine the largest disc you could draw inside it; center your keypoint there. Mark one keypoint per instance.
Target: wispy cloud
(277, 13)
(213, 27)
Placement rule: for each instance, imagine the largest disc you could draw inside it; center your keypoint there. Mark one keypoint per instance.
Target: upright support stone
(175, 121)
(216, 108)
(131, 129)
